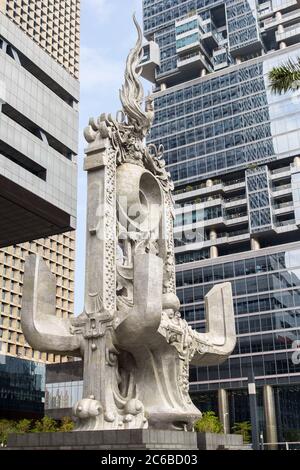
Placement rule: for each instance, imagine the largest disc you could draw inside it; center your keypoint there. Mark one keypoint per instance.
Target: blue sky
(107, 34)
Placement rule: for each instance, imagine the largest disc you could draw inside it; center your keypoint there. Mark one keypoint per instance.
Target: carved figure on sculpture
(135, 346)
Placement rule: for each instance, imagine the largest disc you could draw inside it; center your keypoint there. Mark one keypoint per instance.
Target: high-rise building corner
(39, 96)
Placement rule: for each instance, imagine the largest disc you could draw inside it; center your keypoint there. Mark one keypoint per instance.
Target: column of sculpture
(135, 346)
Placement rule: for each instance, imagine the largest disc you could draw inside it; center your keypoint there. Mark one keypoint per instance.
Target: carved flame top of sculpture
(135, 345)
(132, 92)
(133, 123)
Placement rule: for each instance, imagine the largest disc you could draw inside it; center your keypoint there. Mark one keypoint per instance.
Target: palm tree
(285, 77)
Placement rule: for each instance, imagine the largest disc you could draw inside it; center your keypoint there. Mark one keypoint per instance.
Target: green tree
(209, 423)
(285, 77)
(67, 424)
(6, 427)
(23, 426)
(46, 424)
(243, 428)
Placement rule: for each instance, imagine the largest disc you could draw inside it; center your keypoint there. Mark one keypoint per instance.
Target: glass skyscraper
(22, 388)
(233, 150)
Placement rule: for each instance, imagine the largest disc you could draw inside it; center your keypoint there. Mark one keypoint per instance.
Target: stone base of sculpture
(131, 439)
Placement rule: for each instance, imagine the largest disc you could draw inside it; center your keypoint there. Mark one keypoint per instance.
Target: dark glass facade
(266, 292)
(22, 388)
(211, 126)
(233, 150)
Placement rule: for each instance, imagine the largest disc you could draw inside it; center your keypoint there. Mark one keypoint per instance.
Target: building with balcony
(233, 151)
(39, 95)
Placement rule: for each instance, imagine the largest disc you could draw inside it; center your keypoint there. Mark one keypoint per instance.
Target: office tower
(53, 25)
(39, 95)
(233, 151)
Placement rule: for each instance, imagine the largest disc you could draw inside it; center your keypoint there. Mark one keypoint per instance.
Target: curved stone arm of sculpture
(216, 345)
(42, 329)
(134, 325)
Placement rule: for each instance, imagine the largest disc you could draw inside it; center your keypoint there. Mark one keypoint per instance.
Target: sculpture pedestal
(134, 439)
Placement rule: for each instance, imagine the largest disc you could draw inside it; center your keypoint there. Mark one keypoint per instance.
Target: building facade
(233, 150)
(39, 95)
(64, 388)
(53, 25)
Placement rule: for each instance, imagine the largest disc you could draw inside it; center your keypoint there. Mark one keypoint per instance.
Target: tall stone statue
(135, 346)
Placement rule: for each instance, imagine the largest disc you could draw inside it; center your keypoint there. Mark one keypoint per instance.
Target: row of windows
(258, 200)
(268, 342)
(32, 28)
(261, 218)
(260, 151)
(157, 15)
(268, 322)
(289, 260)
(241, 23)
(259, 304)
(198, 216)
(48, 249)
(59, 263)
(187, 41)
(194, 133)
(182, 258)
(235, 368)
(167, 66)
(259, 180)
(63, 395)
(282, 299)
(276, 320)
(210, 108)
(236, 40)
(257, 132)
(221, 160)
(18, 374)
(184, 28)
(10, 322)
(217, 84)
(189, 114)
(235, 9)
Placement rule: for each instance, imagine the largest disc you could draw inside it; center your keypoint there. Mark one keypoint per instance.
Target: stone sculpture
(135, 346)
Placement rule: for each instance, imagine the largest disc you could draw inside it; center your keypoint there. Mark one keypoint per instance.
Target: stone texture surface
(209, 441)
(134, 439)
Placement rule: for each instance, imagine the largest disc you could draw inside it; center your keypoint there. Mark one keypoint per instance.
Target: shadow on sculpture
(135, 346)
